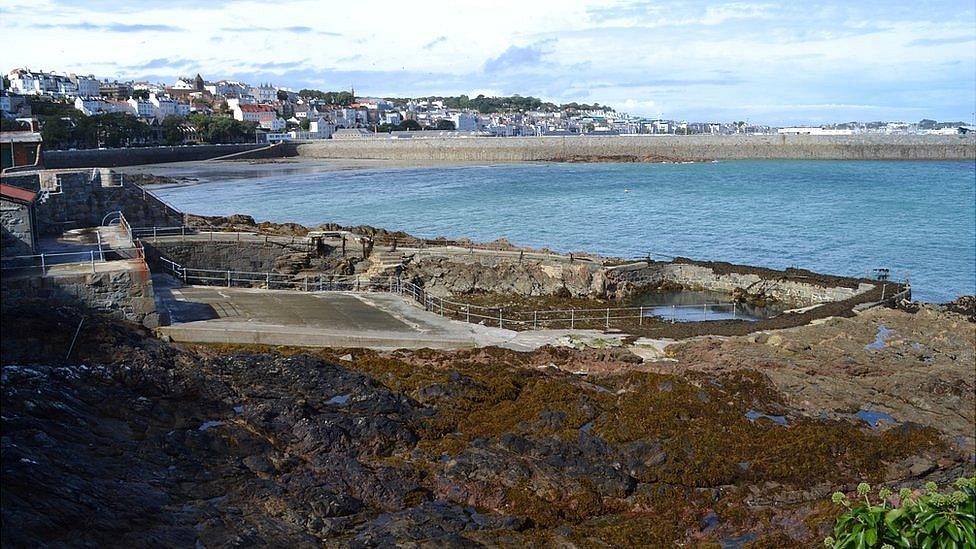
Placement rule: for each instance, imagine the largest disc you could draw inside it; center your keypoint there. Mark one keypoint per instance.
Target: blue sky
(778, 62)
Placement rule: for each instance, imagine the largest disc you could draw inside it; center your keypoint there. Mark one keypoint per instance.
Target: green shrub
(924, 518)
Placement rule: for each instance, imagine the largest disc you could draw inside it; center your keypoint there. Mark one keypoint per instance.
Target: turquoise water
(916, 218)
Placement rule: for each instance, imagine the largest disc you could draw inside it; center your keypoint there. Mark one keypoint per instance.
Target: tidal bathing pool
(701, 305)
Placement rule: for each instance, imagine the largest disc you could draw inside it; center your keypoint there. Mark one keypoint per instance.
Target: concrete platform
(211, 314)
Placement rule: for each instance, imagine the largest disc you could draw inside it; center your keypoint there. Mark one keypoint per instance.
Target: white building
(392, 118)
(86, 86)
(142, 108)
(93, 105)
(465, 122)
(162, 106)
(322, 128)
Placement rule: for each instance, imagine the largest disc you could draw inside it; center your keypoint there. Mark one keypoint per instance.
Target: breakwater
(134, 156)
(678, 148)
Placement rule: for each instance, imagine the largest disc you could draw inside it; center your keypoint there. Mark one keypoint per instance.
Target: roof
(17, 194)
(20, 137)
(256, 108)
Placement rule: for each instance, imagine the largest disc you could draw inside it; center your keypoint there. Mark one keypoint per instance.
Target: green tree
(282, 95)
(172, 127)
(409, 125)
(304, 124)
(445, 125)
(58, 133)
(140, 94)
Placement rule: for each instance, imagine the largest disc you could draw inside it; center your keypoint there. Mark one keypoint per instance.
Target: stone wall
(234, 256)
(17, 229)
(124, 293)
(111, 158)
(778, 284)
(651, 148)
(75, 199)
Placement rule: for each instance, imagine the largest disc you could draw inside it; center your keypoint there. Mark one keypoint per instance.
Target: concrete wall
(73, 199)
(110, 158)
(124, 293)
(651, 148)
(17, 229)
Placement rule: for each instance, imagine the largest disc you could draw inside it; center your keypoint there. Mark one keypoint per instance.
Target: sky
(777, 62)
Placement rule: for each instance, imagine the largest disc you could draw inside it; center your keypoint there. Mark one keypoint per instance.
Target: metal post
(705, 311)
(499, 318)
(183, 232)
(267, 280)
(672, 314)
(467, 313)
(608, 317)
(733, 310)
(228, 279)
(306, 283)
(92, 252)
(535, 319)
(43, 269)
(640, 322)
(184, 275)
(883, 286)
(154, 235)
(572, 319)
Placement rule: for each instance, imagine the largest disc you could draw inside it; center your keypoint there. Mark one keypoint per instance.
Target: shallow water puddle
(753, 415)
(874, 418)
(339, 399)
(879, 340)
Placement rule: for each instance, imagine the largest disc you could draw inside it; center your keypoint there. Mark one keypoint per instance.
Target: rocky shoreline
(736, 441)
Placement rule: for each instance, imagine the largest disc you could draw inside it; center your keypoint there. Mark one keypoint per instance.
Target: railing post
(467, 313)
(608, 317)
(92, 252)
(640, 322)
(228, 278)
(184, 275)
(306, 283)
(267, 280)
(499, 318)
(572, 319)
(43, 268)
(154, 235)
(535, 320)
(183, 232)
(733, 310)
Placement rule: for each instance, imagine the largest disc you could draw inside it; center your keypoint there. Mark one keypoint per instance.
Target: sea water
(917, 218)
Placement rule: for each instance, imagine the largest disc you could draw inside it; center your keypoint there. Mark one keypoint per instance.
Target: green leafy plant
(924, 518)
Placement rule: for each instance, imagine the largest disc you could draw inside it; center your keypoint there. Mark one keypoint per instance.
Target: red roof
(256, 108)
(18, 194)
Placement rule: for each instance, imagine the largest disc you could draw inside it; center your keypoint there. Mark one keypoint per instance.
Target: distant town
(70, 111)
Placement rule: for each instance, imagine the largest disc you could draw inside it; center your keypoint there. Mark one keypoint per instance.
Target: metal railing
(603, 317)
(501, 317)
(44, 261)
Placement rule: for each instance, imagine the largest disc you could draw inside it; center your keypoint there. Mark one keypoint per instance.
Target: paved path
(211, 314)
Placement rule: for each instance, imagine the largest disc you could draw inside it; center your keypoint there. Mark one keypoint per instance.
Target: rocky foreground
(719, 441)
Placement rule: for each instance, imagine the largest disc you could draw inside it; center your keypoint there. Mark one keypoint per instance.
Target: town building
(18, 221)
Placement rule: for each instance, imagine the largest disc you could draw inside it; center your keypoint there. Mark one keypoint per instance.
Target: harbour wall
(647, 148)
(111, 158)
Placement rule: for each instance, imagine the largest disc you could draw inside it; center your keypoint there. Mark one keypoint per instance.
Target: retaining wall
(73, 199)
(650, 148)
(124, 293)
(111, 158)
(234, 256)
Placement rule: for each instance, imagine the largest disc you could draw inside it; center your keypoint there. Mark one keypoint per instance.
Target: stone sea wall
(782, 288)
(120, 293)
(110, 158)
(650, 148)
